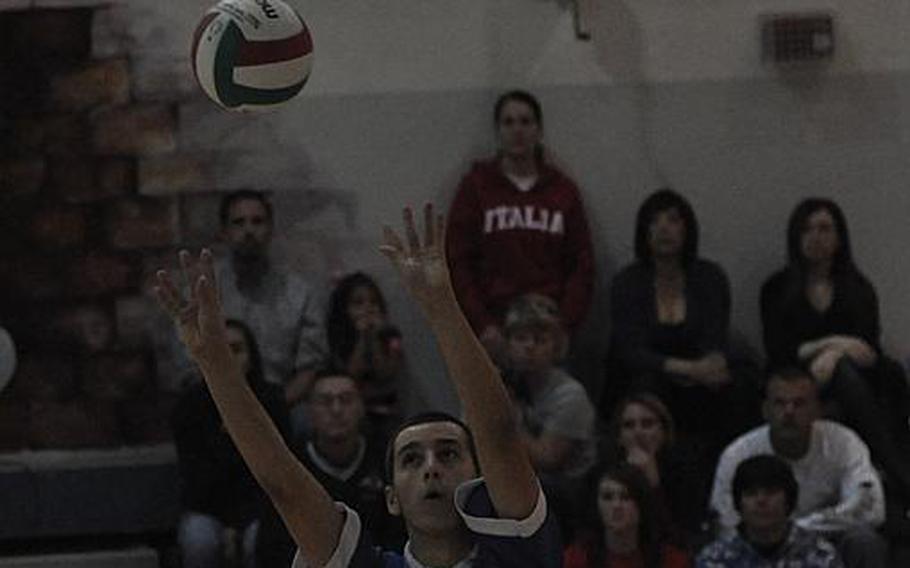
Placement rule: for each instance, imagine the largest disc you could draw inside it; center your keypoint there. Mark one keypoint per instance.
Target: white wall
(668, 92)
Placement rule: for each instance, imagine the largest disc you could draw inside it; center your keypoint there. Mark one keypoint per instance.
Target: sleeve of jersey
(354, 548)
(532, 542)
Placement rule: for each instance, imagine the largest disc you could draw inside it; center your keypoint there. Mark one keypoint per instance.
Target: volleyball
(251, 54)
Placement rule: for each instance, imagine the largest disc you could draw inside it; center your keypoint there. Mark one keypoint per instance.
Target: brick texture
(62, 35)
(51, 134)
(58, 227)
(22, 176)
(117, 375)
(135, 131)
(90, 85)
(173, 174)
(99, 273)
(143, 222)
(32, 277)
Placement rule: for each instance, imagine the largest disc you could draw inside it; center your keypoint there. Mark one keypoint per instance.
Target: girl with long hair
(821, 313)
(625, 529)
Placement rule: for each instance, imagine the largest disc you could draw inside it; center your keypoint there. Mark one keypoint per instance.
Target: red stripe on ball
(265, 52)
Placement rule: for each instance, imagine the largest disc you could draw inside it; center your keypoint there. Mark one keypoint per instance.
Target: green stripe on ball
(232, 95)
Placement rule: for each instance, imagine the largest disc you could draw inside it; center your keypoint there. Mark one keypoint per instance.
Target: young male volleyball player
(453, 516)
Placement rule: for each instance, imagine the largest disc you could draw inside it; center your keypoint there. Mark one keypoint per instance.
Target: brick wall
(110, 160)
(75, 141)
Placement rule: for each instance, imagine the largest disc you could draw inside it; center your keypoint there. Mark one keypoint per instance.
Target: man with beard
(840, 493)
(277, 305)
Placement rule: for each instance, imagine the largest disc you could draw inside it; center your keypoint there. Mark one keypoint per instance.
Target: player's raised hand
(421, 265)
(197, 315)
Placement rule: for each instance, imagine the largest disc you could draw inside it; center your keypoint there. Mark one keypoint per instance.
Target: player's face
(518, 129)
(336, 408)
(640, 427)
(239, 349)
(532, 349)
(364, 308)
(790, 408)
(667, 233)
(819, 242)
(763, 509)
(618, 510)
(430, 461)
(248, 229)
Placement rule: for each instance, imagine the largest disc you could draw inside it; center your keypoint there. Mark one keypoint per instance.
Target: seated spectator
(840, 493)
(765, 495)
(517, 225)
(275, 302)
(821, 313)
(671, 317)
(556, 416)
(343, 461)
(625, 531)
(368, 348)
(642, 434)
(221, 500)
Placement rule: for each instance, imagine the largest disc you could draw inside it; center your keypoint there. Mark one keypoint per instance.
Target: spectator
(642, 434)
(221, 500)
(840, 493)
(765, 495)
(556, 416)
(628, 532)
(277, 305)
(517, 225)
(368, 348)
(671, 317)
(345, 463)
(821, 313)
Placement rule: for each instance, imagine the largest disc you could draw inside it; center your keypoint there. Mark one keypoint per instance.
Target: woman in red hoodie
(517, 225)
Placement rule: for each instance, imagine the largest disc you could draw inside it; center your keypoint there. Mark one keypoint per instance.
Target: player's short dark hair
(233, 197)
(765, 471)
(426, 418)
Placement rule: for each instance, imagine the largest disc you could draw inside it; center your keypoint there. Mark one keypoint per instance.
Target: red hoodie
(503, 242)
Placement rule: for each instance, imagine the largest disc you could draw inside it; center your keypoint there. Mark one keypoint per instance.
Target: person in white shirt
(840, 492)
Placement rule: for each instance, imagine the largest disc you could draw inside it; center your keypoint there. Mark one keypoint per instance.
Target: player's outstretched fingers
(166, 293)
(391, 246)
(410, 232)
(429, 238)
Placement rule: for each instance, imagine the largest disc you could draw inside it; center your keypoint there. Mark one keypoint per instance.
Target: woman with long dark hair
(517, 226)
(820, 312)
(625, 529)
(367, 347)
(671, 317)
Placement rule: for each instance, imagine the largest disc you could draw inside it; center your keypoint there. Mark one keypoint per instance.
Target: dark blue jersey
(533, 542)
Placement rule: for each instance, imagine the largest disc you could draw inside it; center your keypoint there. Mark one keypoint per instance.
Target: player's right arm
(308, 511)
